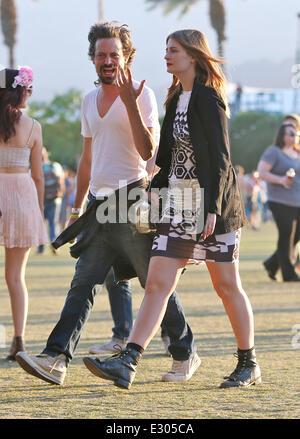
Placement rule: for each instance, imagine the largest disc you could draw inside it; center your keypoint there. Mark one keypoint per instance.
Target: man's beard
(109, 80)
(106, 80)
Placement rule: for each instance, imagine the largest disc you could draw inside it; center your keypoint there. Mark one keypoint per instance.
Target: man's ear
(126, 63)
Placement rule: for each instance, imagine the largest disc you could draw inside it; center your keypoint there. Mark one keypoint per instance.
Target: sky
(52, 38)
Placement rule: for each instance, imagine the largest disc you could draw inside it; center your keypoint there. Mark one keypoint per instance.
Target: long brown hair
(208, 69)
(10, 101)
(279, 139)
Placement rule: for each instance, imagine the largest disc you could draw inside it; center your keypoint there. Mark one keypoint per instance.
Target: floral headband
(24, 78)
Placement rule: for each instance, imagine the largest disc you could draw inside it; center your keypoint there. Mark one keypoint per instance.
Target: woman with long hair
(279, 166)
(21, 192)
(194, 157)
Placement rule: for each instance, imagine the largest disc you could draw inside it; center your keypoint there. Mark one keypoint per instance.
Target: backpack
(52, 184)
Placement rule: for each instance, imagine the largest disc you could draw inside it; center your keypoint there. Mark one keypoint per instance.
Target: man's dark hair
(112, 30)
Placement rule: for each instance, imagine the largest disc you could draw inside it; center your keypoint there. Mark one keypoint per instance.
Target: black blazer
(208, 131)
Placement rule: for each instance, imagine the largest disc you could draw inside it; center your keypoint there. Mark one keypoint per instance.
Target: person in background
(53, 192)
(66, 201)
(294, 119)
(21, 193)
(240, 172)
(279, 166)
(238, 98)
(254, 193)
(248, 185)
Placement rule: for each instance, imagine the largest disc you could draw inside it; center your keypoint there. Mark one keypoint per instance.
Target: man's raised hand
(127, 92)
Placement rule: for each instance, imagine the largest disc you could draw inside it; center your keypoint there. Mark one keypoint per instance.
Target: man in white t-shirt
(119, 124)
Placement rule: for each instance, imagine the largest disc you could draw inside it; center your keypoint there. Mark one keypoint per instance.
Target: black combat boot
(120, 368)
(246, 373)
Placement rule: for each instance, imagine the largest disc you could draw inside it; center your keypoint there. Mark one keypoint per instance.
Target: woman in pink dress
(21, 192)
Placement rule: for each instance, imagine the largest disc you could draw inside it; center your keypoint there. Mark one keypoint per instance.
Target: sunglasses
(292, 134)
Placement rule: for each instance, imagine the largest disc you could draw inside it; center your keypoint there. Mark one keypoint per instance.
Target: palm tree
(9, 27)
(216, 13)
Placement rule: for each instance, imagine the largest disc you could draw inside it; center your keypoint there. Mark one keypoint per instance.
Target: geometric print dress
(182, 215)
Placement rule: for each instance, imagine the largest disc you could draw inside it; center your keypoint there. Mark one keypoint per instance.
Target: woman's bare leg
(15, 264)
(227, 283)
(163, 276)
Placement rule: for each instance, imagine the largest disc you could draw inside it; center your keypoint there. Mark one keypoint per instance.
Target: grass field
(84, 396)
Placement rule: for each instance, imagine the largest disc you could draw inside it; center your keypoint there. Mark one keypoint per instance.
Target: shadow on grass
(103, 316)
(67, 392)
(52, 318)
(55, 262)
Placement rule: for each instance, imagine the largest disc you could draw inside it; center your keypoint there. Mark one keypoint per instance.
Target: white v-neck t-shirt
(115, 160)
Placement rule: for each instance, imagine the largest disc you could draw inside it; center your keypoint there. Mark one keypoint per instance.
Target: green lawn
(276, 309)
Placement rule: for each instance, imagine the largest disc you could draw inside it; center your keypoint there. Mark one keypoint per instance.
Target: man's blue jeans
(120, 299)
(92, 267)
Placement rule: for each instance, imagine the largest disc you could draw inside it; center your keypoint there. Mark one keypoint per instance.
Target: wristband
(75, 211)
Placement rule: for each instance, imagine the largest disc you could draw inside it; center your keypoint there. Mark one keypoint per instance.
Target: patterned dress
(182, 216)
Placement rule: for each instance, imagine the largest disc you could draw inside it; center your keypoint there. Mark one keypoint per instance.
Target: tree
(250, 134)
(61, 124)
(64, 107)
(216, 13)
(9, 27)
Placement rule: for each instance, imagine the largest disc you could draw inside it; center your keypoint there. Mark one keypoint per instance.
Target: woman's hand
(127, 92)
(264, 170)
(210, 225)
(286, 182)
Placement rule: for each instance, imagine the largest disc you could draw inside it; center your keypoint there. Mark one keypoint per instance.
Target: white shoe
(111, 347)
(182, 371)
(50, 369)
(166, 341)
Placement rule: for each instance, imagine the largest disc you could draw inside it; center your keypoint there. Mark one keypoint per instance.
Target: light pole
(101, 10)
(297, 60)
